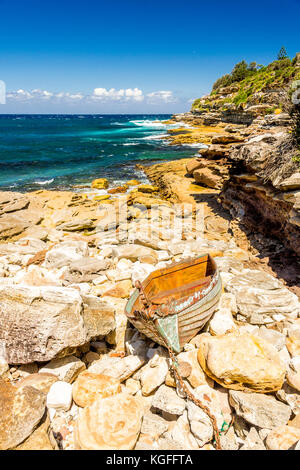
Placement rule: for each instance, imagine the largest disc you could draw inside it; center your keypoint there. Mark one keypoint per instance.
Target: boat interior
(179, 280)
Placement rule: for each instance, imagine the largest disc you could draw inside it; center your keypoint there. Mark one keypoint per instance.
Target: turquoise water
(60, 151)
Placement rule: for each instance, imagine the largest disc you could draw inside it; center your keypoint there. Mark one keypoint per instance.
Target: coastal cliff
(252, 158)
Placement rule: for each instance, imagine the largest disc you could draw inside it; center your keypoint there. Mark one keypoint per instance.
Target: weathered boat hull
(187, 316)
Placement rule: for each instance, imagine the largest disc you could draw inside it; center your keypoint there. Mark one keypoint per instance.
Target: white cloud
(163, 95)
(101, 95)
(69, 96)
(37, 95)
(134, 94)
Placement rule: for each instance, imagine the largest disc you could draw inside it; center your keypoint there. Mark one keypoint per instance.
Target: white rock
(83, 287)
(99, 280)
(166, 399)
(36, 275)
(285, 356)
(141, 271)
(274, 337)
(295, 363)
(124, 264)
(60, 396)
(200, 424)
(154, 374)
(118, 274)
(222, 322)
(180, 432)
(163, 255)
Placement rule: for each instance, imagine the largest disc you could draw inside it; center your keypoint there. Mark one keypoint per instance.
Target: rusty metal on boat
(173, 304)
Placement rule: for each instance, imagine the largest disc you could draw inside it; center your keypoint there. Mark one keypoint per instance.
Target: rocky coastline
(85, 378)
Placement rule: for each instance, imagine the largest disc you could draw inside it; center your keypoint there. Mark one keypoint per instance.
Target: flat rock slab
(260, 296)
(117, 367)
(21, 410)
(260, 410)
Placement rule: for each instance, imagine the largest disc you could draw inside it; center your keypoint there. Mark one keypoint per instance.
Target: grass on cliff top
(245, 81)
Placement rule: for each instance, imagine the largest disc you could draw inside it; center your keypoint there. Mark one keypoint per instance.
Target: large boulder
(21, 410)
(65, 254)
(111, 423)
(40, 323)
(241, 361)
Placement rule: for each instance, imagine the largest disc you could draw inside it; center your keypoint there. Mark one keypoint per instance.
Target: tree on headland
(240, 71)
(253, 66)
(282, 54)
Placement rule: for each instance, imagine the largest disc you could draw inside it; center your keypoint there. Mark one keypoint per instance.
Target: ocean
(65, 151)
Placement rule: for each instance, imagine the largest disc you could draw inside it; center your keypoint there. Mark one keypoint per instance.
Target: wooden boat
(172, 304)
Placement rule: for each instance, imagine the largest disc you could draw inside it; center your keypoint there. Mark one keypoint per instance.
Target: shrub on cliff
(223, 81)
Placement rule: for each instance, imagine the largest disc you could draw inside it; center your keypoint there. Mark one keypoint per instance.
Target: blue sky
(129, 56)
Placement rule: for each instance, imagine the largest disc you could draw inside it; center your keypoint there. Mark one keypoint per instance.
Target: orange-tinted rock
(111, 423)
(207, 177)
(283, 438)
(100, 183)
(21, 410)
(118, 189)
(88, 387)
(121, 290)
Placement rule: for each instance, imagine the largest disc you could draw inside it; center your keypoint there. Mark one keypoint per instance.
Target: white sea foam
(148, 123)
(195, 145)
(182, 124)
(155, 137)
(44, 182)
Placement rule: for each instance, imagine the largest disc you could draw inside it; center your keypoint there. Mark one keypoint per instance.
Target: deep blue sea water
(60, 151)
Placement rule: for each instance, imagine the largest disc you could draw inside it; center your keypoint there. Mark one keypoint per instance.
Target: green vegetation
(239, 73)
(296, 158)
(248, 83)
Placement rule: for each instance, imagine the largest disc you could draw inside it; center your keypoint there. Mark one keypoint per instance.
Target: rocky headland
(74, 374)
